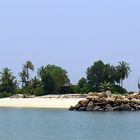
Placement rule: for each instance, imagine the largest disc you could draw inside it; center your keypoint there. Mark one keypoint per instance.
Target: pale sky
(71, 34)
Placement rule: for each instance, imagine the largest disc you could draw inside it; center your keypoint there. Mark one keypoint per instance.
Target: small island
(101, 90)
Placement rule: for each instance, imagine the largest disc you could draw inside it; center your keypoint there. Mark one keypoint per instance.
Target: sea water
(61, 124)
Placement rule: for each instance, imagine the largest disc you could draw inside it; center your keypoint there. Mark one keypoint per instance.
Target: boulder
(101, 109)
(125, 107)
(117, 108)
(89, 97)
(108, 93)
(95, 98)
(90, 106)
(111, 99)
(96, 108)
(104, 100)
(82, 109)
(118, 101)
(114, 96)
(71, 108)
(137, 107)
(132, 104)
(102, 95)
(137, 101)
(125, 100)
(84, 102)
(134, 95)
(120, 97)
(77, 106)
(108, 107)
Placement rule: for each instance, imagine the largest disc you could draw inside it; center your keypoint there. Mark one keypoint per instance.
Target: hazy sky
(70, 33)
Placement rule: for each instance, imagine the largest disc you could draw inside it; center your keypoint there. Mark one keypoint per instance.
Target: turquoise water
(60, 124)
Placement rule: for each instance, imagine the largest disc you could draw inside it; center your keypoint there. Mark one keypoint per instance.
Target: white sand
(39, 102)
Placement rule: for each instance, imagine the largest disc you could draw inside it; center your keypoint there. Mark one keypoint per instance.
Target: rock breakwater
(105, 101)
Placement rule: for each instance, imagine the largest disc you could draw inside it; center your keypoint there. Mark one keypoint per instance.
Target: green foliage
(75, 89)
(118, 89)
(8, 83)
(100, 72)
(24, 75)
(38, 91)
(84, 87)
(3, 94)
(122, 72)
(82, 82)
(33, 88)
(52, 78)
(105, 86)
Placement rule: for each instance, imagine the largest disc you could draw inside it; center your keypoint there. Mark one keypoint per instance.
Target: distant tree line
(52, 79)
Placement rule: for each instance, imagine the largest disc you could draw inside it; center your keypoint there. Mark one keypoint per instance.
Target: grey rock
(90, 106)
(71, 108)
(82, 109)
(137, 107)
(84, 102)
(125, 107)
(108, 107)
(96, 108)
(117, 108)
(77, 106)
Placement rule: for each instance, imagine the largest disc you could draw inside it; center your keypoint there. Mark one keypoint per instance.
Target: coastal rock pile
(105, 101)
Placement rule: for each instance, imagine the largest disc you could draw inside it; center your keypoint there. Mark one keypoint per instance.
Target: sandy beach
(39, 102)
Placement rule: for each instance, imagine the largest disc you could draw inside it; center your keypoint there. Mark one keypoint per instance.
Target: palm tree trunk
(122, 83)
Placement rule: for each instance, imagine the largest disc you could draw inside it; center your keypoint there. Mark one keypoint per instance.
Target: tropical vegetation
(52, 79)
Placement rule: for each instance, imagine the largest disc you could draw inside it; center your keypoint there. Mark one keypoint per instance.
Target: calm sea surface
(60, 124)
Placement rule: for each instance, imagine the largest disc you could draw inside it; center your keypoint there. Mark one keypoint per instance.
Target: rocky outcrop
(105, 101)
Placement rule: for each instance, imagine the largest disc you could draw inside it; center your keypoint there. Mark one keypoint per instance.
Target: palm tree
(105, 86)
(41, 71)
(122, 72)
(139, 86)
(28, 66)
(35, 82)
(8, 82)
(23, 76)
(5, 75)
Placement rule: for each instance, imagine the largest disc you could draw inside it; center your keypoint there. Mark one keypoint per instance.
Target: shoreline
(54, 103)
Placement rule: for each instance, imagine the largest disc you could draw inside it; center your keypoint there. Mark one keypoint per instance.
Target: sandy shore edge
(39, 102)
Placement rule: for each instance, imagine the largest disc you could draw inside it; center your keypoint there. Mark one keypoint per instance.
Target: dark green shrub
(38, 91)
(4, 94)
(118, 89)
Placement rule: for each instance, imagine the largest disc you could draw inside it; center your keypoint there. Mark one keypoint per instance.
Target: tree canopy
(52, 79)
(100, 72)
(8, 83)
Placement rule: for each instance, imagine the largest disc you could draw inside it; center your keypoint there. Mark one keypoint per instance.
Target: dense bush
(4, 94)
(118, 89)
